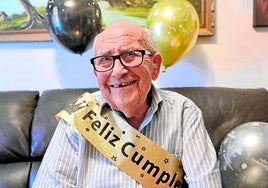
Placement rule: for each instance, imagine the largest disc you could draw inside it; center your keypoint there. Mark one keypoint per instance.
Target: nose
(119, 69)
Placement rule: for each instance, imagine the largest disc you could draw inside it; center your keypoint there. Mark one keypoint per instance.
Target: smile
(123, 84)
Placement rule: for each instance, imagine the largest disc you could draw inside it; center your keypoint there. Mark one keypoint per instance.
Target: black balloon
(73, 23)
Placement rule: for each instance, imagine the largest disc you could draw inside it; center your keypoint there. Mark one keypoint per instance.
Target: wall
(235, 57)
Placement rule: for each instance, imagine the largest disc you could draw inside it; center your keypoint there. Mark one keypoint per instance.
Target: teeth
(116, 85)
(123, 84)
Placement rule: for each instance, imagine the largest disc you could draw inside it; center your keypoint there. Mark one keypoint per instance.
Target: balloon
(73, 23)
(243, 156)
(174, 25)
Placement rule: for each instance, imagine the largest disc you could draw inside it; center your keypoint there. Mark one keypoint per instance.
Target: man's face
(126, 89)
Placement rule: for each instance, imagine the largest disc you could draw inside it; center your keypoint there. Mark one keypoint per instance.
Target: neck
(136, 121)
(134, 118)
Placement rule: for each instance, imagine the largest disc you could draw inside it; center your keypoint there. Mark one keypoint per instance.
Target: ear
(156, 65)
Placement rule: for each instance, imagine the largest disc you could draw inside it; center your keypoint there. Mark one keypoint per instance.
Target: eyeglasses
(127, 59)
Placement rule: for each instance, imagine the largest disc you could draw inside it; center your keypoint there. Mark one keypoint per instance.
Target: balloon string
(163, 68)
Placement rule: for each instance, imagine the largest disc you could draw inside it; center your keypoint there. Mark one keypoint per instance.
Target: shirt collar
(156, 100)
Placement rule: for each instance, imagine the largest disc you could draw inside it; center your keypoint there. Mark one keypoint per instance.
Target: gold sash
(124, 146)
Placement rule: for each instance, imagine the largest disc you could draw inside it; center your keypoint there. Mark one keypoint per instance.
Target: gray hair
(147, 40)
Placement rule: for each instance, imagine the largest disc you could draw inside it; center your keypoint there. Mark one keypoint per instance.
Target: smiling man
(129, 134)
(126, 79)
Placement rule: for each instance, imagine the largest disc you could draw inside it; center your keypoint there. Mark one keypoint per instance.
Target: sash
(124, 146)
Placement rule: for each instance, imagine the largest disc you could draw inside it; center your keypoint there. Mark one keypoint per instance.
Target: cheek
(147, 72)
(102, 82)
(102, 78)
(145, 80)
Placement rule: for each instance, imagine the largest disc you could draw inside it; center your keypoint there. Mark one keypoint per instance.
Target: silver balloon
(243, 156)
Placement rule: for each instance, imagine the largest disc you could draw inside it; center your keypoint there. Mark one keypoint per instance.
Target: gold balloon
(174, 25)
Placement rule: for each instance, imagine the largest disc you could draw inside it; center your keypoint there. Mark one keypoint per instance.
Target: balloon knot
(163, 69)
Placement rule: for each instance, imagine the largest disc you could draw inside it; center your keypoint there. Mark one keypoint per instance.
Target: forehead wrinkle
(126, 41)
(124, 35)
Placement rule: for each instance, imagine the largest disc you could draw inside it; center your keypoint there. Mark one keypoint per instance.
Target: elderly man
(150, 132)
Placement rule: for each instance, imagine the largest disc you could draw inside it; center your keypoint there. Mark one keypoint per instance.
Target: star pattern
(114, 158)
(166, 160)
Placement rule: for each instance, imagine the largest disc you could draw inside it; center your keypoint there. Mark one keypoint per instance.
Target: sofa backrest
(222, 108)
(27, 122)
(16, 115)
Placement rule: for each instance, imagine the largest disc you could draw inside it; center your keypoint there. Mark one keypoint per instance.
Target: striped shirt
(173, 122)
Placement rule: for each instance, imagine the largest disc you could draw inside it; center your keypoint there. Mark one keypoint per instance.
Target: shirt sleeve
(59, 165)
(199, 156)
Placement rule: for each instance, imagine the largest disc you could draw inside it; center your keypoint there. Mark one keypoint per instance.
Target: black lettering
(115, 139)
(137, 161)
(163, 178)
(108, 134)
(123, 149)
(151, 167)
(88, 115)
(96, 125)
(104, 128)
(173, 179)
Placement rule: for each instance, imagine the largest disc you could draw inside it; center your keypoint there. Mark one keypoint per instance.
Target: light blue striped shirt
(172, 121)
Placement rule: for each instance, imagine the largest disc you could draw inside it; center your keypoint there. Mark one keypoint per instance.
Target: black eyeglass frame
(115, 57)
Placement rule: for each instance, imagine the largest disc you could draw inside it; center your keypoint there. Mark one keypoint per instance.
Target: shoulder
(67, 129)
(168, 95)
(165, 93)
(172, 98)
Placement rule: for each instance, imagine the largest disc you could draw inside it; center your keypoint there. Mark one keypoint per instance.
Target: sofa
(27, 122)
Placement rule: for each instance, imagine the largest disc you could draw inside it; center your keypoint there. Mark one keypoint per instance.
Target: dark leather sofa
(27, 122)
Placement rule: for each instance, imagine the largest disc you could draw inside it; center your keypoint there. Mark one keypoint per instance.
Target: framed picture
(113, 11)
(206, 12)
(260, 13)
(23, 20)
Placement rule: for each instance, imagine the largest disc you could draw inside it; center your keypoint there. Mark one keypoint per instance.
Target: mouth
(123, 84)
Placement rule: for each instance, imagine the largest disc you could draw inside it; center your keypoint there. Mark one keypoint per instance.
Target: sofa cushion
(44, 123)
(14, 175)
(16, 114)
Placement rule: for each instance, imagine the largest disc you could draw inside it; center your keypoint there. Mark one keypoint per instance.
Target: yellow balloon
(174, 25)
